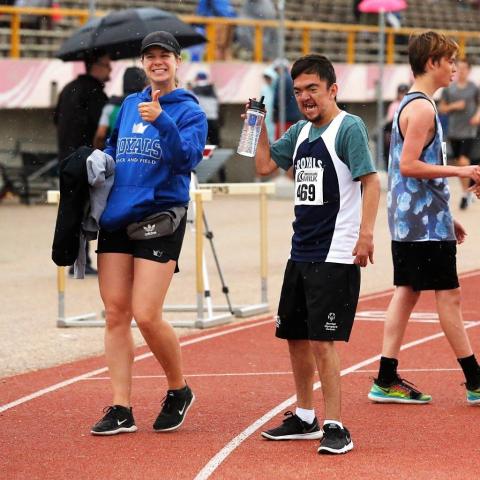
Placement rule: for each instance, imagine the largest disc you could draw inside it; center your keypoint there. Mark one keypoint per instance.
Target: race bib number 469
(309, 186)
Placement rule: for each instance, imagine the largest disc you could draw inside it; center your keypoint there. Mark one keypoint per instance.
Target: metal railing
(352, 35)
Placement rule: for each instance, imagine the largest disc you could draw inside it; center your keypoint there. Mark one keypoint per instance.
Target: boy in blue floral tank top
(424, 234)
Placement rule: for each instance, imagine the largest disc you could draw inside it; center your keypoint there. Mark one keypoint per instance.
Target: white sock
(336, 422)
(305, 415)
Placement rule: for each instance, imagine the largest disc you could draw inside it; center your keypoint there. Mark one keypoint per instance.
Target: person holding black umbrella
(157, 141)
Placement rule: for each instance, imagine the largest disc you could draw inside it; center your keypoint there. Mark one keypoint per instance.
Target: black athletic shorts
(318, 301)
(161, 249)
(462, 147)
(425, 265)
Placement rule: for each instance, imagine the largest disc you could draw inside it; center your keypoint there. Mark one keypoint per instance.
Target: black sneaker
(117, 419)
(175, 406)
(294, 428)
(335, 440)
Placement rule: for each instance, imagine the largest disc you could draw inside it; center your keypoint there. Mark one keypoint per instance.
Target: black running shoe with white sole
(117, 419)
(175, 406)
(294, 428)
(335, 440)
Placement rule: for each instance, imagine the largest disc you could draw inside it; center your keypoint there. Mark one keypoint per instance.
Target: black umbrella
(120, 33)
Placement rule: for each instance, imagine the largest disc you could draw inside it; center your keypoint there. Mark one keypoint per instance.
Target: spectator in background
(292, 114)
(461, 102)
(196, 52)
(207, 97)
(268, 93)
(205, 92)
(356, 10)
(35, 21)
(402, 89)
(134, 80)
(224, 38)
(78, 110)
(357, 14)
(258, 10)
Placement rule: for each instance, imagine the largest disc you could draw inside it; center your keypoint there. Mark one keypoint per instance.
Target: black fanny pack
(159, 224)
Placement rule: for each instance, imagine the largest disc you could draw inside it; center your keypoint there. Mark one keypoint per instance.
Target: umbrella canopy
(374, 6)
(120, 33)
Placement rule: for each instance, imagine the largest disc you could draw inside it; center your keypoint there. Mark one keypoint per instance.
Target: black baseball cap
(161, 39)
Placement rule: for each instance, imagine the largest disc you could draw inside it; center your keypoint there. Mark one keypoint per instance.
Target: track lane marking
(187, 376)
(98, 371)
(255, 374)
(428, 370)
(219, 457)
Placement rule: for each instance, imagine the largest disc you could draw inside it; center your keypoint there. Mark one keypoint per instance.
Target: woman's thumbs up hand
(149, 111)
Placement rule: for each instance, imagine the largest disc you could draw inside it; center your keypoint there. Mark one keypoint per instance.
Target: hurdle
(262, 190)
(85, 320)
(91, 320)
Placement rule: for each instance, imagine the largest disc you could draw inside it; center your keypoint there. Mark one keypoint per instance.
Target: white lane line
(382, 320)
(429, 370)
(70, 381)
(191, 375)
(256, 374)
(217, 459)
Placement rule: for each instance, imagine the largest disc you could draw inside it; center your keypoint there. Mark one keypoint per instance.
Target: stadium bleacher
(440, 14)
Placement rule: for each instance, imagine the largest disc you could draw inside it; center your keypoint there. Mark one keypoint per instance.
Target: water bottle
(252, 126)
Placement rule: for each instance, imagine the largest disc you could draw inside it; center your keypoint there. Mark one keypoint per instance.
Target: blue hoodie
(153, 160)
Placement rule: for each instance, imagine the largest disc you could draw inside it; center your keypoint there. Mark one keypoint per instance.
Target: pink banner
(32, 83)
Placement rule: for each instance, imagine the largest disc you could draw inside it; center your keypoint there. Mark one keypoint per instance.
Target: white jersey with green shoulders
(327, 163)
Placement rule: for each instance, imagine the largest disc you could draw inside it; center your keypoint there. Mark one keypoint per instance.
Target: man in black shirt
(79, 106)
(78, 110)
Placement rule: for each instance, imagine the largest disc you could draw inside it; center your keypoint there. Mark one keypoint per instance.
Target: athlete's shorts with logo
(425, 265)
(160, 249)
(318, 301)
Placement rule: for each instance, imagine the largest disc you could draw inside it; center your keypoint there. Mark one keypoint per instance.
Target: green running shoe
(399, 391)
(473, 396)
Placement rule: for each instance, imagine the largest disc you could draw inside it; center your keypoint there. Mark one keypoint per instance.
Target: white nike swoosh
(121, 422)
(183, 409)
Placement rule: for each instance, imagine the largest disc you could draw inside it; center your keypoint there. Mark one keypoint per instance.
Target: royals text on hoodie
(153, 160)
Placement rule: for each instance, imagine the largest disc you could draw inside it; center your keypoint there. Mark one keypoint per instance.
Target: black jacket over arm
(74, 200)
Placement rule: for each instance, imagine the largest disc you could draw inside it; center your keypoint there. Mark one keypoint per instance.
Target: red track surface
(239, 376)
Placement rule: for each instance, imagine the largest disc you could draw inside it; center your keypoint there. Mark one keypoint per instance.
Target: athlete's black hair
(317, 64)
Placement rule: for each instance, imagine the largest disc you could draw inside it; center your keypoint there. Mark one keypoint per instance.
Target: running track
(241, 377)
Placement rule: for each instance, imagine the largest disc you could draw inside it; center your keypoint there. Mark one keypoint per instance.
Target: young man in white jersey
(424, 235)
(333, 237)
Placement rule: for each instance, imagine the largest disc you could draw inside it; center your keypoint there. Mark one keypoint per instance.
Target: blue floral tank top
(418, 208)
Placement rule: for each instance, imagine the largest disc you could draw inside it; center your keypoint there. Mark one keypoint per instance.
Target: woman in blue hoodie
(157, 141)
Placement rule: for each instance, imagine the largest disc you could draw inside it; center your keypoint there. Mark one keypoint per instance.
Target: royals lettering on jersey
(139, 146)
(327, 200)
